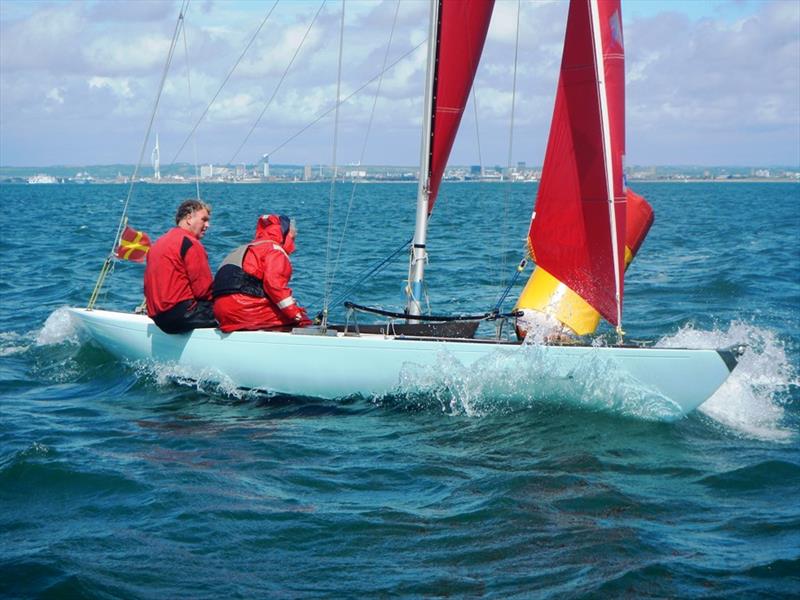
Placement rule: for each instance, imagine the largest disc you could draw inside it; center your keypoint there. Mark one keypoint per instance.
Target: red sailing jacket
(176, 270)
(269, 262)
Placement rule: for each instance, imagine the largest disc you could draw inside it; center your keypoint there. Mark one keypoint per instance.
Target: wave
(205, 380)
(753, 400)
(757, 478)
(57, 329)
(500, 382)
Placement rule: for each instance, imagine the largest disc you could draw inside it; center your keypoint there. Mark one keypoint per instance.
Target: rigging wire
(225, 81)
(507, 191)
(367, 273)
(477, 128)
(332, 199)
(280, 83)
(189, 86)
(345, 99)
(124, 218)
(364, 146)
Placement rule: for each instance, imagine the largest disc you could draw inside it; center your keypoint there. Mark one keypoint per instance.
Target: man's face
(197, 223)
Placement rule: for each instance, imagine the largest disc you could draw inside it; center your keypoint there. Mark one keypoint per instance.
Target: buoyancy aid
(231, 278)
(268, 264)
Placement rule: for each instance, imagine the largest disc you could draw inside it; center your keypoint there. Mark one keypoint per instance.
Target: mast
(597, 41)
(419, 255)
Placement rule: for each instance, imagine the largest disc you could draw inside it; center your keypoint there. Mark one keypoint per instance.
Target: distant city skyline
(709, 83)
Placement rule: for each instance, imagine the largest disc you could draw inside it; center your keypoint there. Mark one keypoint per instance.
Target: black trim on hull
(730, 356)
(446, 330)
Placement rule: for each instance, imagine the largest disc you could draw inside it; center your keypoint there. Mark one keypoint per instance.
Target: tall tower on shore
(155, 158)
(265, 160)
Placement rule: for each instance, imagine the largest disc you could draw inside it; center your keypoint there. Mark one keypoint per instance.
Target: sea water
(150, 481)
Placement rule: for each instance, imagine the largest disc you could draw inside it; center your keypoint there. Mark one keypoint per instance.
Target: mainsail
(578, 230)
(462, 28)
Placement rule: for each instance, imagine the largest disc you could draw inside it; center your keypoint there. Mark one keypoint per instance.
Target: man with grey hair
(177, 278)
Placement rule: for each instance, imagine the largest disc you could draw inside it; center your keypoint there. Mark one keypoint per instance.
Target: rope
(225, 81)
(278, 87)
(124, 218)
(364, 146)
(332, 198)
(520, 268)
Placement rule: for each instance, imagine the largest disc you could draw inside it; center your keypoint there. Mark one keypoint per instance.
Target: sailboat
(577, 236)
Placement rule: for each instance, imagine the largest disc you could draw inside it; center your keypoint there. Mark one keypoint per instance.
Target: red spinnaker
(462, 32)
(570, 236)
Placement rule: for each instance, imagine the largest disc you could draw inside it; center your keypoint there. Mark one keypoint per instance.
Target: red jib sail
(462, 32)
(578, 230)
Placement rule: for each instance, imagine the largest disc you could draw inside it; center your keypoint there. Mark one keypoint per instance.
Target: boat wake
(59, 327)
(501, 382)
(751, 403)
(753, 400)
(206, 381)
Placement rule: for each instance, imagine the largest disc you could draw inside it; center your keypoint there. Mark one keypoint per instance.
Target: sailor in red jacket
(251, 288)
(177, 278)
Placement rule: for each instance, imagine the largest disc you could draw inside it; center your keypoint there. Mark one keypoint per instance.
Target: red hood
(269, 227)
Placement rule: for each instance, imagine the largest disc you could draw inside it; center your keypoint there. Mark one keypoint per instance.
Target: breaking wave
(59, 327)
(501, 382)
(205, 380)
(753, 400)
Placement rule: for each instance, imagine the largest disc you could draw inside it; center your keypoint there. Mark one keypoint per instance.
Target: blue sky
(709, 82)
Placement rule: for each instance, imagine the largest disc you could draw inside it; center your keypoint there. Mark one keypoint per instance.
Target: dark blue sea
(124, 481)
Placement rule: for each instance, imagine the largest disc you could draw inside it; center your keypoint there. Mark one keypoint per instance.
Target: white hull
(336, 366)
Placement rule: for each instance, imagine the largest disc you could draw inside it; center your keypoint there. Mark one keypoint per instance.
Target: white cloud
(43, 41)
(238, 107)
(698, 79)
(55, 95)
(691, 79)
(120, 86)
(140, 53)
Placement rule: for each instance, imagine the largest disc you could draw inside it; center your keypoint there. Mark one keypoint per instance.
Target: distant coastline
(367, 181)
(183, 173)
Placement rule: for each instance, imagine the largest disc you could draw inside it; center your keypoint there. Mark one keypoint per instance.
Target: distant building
(156, 160)
(240, 172)
(206, 171)
(307, 173)
(265, 159)
(475, 171)
(42, 178)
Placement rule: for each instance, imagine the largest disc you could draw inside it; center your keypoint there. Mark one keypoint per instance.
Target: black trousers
(187, 315)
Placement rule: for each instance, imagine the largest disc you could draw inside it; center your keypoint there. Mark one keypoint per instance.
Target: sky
(709, 82)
